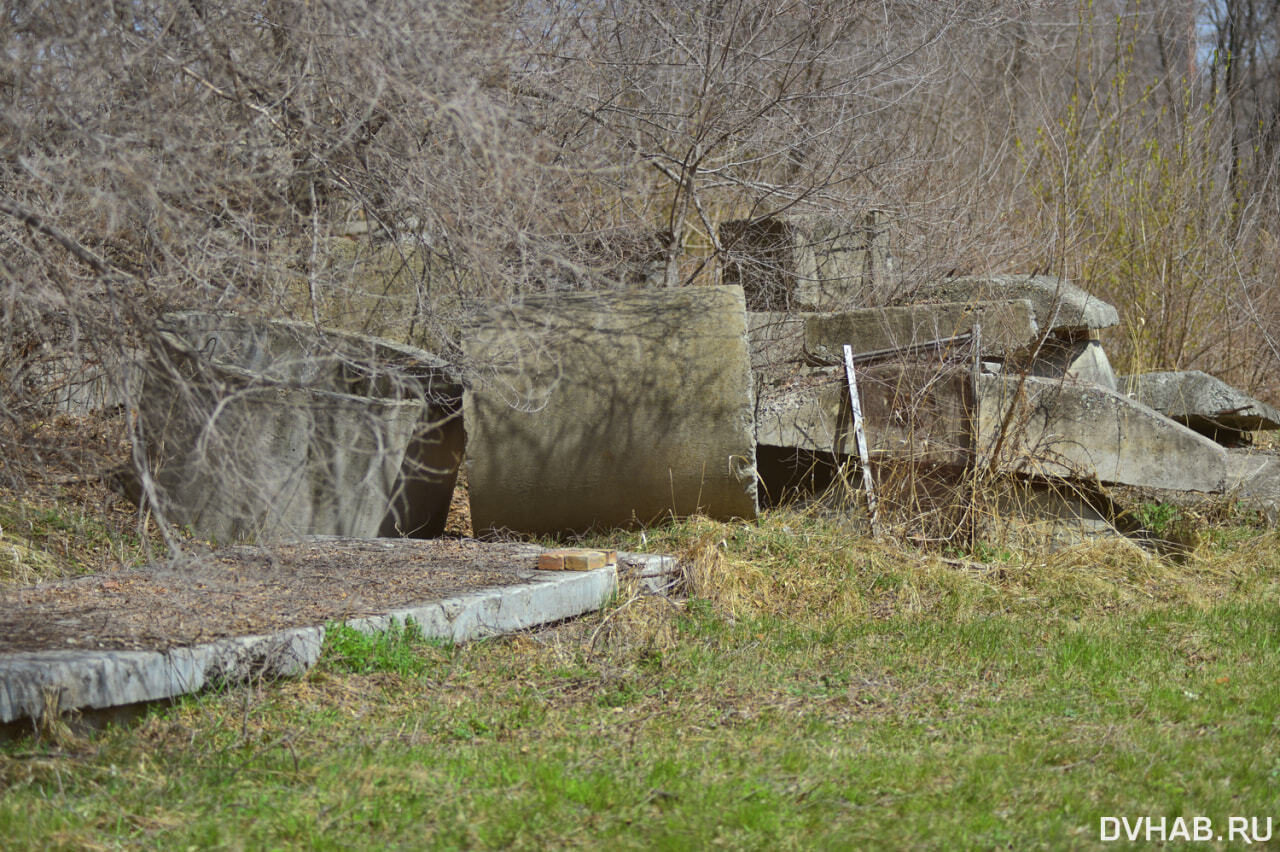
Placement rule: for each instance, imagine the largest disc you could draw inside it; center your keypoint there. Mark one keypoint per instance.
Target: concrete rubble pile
(621, 407)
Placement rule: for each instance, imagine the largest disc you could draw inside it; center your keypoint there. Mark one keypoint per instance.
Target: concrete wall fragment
(805, 262)
(918, 413)
(1204, 403)
(258, 430)
(1059, 304)
(608, 409)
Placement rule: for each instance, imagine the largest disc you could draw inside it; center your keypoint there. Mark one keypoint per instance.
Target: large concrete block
(1059, 304)
(1056, 428)
(274, 430)
(606, 409)
(1006, 327)
(805, 262)
(1204, 403)
(915, 413)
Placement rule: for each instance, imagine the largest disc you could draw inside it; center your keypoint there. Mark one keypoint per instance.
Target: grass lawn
(819, 690)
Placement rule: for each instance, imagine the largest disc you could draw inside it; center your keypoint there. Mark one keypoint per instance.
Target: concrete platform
(36, 682)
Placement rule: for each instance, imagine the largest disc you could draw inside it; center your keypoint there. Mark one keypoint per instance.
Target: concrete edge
(655, 573)
(33, 683)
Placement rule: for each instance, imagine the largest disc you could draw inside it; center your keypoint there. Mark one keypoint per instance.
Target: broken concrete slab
(262, 430)
(805, 262)
(1058, 303)
(33, 683)
(1056, 429)
(1050, 428)
(921, 413)
(1049, 514)
(1253, 479)
(610, 409)
(1204, 403)
(1006, 327)
(97, 378)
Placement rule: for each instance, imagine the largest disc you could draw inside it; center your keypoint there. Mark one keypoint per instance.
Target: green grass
(819, 691)
(46, 542)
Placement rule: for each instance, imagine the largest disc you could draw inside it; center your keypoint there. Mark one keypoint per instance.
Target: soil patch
(243, 591)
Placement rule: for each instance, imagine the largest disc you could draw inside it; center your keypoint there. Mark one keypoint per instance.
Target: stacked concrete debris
(1205, 404)
(625, 406)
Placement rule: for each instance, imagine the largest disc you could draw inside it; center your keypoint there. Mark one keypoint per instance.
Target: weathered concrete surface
(805, 262)
(272, 430)
(1060, 429)
(1057, 429)
(1254, 477)
(87, 680)
(1077, 359)
(1051, 514)
(918, 413)
(607, 409)
(1006, 326)
(776, 340)
(1204, 403)
(1058, 304)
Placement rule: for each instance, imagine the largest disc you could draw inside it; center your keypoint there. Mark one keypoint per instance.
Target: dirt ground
(88, 591)
(249, 590)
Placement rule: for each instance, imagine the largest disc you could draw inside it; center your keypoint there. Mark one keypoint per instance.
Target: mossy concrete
(609, 409)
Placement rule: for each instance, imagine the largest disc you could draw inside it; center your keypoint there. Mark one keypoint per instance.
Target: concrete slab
(1204, 403)
(917, 413)
(1254, 478)
(1060, 429)
(610, 409)
(1049, 514)
(1058, 303)
(33, 682)
(1057, 429)
(1007, 326)
(805, 262)
(776, 340)
(97, 378)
